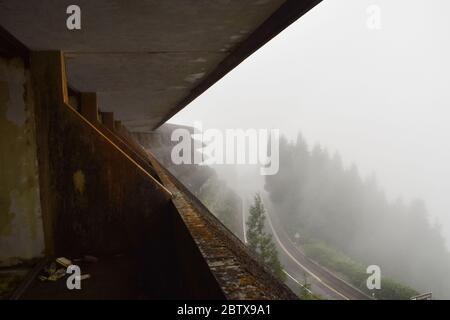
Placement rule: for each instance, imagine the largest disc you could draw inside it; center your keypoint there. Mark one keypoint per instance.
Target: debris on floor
(53, 272)
(85, 276)
(64, 261)
(58, 274)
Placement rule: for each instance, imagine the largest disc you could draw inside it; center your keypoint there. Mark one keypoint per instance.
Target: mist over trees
(314, 195)
(223, 202)
(328, 207)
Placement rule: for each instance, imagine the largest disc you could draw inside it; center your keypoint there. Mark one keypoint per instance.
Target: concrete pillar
(73, 102)
(108, 120)
(118, 126)
(50, 88)
(89, 108)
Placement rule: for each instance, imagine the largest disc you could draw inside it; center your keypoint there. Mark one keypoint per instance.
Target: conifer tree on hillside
(260, 241)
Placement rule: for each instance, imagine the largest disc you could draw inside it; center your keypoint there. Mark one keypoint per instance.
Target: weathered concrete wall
(101, 202)
(98, 196)
(21, 234)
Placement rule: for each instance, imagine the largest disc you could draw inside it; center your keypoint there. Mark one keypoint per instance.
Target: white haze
(381, 98)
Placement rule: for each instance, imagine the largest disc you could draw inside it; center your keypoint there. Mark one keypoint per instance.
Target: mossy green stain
(19, 194)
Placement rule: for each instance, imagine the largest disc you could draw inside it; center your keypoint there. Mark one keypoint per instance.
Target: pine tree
(305, 290)
(260, 241)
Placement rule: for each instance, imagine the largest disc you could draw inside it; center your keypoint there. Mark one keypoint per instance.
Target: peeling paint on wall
(21, 234)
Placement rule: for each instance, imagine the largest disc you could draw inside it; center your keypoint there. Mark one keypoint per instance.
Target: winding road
(298, 267)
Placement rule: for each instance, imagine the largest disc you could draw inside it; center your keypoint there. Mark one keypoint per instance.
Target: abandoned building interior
(76, 181)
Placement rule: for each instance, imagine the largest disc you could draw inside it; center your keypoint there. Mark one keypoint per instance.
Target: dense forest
(317, 198)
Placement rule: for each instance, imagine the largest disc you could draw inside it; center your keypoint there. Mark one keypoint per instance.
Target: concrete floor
(117, 277)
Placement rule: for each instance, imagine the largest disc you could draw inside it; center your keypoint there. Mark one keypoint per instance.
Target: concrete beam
(89, 108)
(117, 126)
(289, 12)
(108, 120)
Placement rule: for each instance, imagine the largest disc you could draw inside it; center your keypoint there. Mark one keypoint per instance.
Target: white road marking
(298, 263)
(244, 222)
(296, 281)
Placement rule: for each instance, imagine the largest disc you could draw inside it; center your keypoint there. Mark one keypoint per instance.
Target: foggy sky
(379, 97)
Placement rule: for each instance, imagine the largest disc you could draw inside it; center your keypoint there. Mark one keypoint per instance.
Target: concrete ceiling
(148, 59)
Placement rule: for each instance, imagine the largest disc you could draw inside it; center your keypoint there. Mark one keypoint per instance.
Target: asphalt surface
(298, 267)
